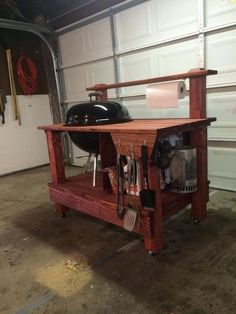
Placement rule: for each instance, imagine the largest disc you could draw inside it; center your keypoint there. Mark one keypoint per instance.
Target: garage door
(156, 38)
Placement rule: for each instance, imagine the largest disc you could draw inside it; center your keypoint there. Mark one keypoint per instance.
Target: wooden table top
(144, 126)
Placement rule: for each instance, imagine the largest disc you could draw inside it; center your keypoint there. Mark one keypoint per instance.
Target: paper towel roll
(166, 94)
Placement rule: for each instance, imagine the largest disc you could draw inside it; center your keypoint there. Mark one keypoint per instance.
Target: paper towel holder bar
(193, 73)
(197, 88)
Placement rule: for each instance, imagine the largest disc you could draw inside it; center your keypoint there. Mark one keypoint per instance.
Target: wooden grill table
(78, 193)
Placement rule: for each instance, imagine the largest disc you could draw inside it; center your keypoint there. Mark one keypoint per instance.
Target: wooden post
(56, 162)
(197, 97)
(197, 110)
(56, 156)
(101, 88)
(154, 241)
(200, 197)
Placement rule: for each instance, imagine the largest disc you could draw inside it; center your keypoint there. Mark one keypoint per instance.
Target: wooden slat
(125, 143)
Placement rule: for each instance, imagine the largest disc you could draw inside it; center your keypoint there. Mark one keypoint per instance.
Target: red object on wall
(27, 75)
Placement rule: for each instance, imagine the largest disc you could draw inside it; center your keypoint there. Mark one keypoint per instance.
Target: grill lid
(96, 112)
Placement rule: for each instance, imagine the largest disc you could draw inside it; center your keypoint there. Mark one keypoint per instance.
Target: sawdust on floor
(65, 278)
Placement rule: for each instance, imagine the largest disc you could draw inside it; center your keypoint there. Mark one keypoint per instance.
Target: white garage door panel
(154, 21)
(98, 39)
(72, 47)
(78, 78)
(175, 18)
(138, 108)
(221, 167)
(222, 131)
(86, 43)
(157, 62)
(24, 146)
(102, 72)
(220, 12)
(222, 105)
(137, 66)
(136, 26)
(221, 55)
(146, 26)
(178, 58)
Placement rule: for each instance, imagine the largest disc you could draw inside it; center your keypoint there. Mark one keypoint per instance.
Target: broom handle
(15, 106)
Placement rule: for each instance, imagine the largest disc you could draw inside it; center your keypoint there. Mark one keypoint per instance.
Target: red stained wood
(197, 98)
(103, 96)
(77, 192)
(127, 142)
(190, 74)
(200, 197)
(172, 203)
(61, 209)
(141, 126)
(156, 242)
(108, 156)
(55, 156)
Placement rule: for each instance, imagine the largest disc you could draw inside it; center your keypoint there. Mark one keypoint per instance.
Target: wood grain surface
(191, 74)
(135, 126)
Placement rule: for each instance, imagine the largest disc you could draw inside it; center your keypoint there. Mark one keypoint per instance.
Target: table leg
(200, 197)
(61, 209)
(154, 240)
(56, 163)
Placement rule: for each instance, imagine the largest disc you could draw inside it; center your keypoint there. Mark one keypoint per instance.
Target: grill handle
(94, 94)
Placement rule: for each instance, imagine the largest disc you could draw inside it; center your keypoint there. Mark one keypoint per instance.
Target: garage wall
(156, 38)
(24, 146)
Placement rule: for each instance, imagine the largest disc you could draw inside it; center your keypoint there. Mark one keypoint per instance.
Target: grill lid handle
(94, 94)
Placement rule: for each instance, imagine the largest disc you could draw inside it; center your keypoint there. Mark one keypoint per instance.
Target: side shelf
(77, 193)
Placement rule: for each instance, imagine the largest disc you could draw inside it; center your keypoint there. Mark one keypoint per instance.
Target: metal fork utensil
(120, 210)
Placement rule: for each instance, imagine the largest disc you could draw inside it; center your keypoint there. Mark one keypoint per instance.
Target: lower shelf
(77, 193)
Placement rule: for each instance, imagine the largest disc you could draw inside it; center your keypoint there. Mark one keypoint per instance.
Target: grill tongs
(120, 209)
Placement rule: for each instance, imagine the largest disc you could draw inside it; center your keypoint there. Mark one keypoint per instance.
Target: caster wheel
(151, 253)
(196, 221)
(63, 215)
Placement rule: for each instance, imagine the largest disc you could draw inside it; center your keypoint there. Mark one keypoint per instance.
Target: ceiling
(58, 13)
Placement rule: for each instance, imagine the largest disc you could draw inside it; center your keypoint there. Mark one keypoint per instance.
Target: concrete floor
(80, 265)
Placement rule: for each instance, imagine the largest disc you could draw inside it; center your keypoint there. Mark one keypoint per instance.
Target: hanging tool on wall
(15, 105)
(27, 75)
(3, 100)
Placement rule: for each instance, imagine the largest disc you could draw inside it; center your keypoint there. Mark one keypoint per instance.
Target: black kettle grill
(94, 113)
